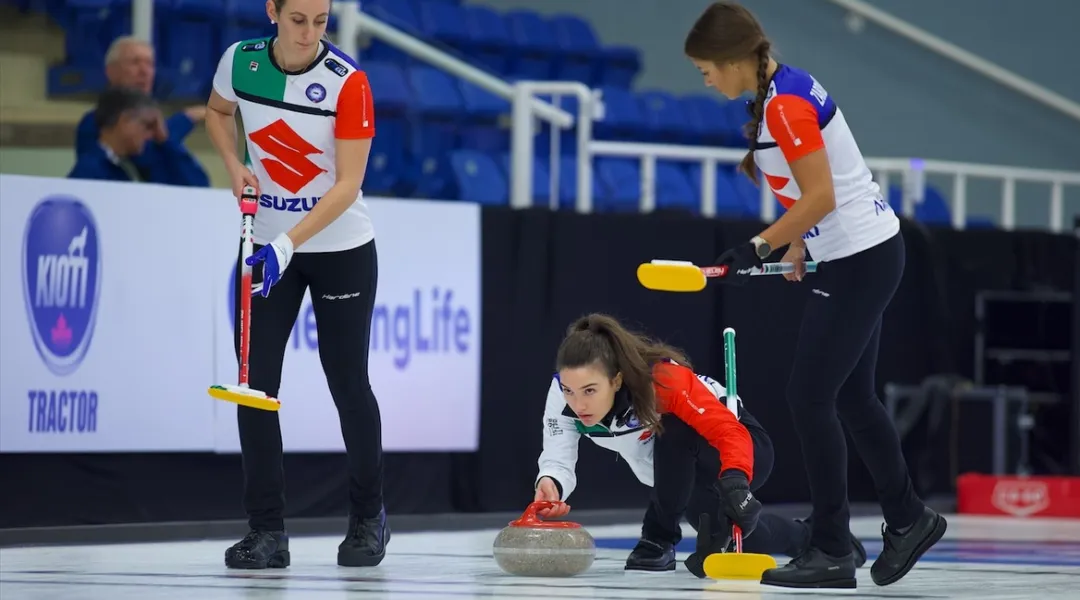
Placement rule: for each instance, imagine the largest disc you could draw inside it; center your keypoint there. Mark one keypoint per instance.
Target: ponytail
(757, 111)
(601, 340)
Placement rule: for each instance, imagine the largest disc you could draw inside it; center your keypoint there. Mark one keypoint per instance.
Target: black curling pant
(833, 380)
(342, 286)
(685, 467)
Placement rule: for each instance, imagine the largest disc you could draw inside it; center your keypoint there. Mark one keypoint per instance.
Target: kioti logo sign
(290, 166)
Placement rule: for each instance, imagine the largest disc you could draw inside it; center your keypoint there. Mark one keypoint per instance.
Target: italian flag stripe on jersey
(253, 74)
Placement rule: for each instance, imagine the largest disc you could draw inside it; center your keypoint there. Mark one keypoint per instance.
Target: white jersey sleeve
(223, 76)
(558, 460)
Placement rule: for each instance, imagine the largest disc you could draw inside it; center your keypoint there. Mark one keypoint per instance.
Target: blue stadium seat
(444, 22)
(479, 178)
(389, 153)
(185, 53)
(621, 66)
(665, 118)
(490, 42)
(439, 106)
(935, 209)
(621, 183)
(541, 181)
(91, 27)
(736, 195)
(706, 115)
(673, 188)
(622, 116)
(485, 118)
(582, 58)
(568, 182)
(536, 51)
(400, 14)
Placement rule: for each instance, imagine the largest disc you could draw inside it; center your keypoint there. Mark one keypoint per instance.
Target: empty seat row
(423, 114)
(190, 35)
(484, 177)
(518, 43)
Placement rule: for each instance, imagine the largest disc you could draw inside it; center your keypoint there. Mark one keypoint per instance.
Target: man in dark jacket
(129, 63)
(125, 120)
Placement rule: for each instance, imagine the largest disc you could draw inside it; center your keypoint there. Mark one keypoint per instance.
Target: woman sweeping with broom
(641, 399)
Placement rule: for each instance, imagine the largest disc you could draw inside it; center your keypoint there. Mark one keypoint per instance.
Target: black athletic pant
(833, 380)
(342, 286)
(685, 467)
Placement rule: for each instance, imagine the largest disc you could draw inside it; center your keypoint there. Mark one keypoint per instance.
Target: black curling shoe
(259, 550)
(902, 550)
(814, 569)
(365, 543)
(651, 556)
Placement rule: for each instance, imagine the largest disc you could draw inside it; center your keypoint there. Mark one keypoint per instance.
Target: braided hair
(757, 111)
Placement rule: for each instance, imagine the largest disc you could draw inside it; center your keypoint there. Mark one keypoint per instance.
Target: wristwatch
(763, 248)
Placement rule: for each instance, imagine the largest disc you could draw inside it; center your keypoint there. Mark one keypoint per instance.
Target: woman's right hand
(796, 254)
(546, 490)
(241, 176)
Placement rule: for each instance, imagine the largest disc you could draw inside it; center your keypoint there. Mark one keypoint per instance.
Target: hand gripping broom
(243, 394)
(735, 565)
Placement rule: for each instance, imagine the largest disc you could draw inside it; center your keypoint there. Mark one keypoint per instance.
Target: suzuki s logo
(61, 280)
(290, 166)
(1021, 498)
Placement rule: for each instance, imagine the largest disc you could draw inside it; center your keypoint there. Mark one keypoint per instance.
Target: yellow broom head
(671, 276)
(734, 565)
(244, 396)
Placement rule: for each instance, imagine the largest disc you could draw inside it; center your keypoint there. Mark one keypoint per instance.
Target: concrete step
(22, 78)
(31, 34)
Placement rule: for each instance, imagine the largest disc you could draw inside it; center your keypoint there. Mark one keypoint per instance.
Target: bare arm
(793, 122)
(221, 127)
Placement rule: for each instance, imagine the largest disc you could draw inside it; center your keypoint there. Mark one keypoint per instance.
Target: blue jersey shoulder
(796, 82)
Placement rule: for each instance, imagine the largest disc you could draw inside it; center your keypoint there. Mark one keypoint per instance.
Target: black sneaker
(902, 550)
(651, 556)
(365, 543)
(259, 550)
(856, 545)
(814, 569)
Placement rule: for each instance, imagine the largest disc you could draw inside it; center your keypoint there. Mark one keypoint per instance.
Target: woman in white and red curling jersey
(309, 122)
(642, 399)
(808, 156)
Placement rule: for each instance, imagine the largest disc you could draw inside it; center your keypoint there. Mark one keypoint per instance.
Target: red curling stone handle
(530, 519)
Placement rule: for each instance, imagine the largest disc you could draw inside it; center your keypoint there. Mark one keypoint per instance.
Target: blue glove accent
(275, 256)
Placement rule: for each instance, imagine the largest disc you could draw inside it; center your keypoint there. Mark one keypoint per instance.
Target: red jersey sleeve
(355, 109)
(793, 123)
(680, 392)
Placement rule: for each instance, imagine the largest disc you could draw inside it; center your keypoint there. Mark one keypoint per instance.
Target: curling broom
(685, 276)
(735, 565)
(243, 394)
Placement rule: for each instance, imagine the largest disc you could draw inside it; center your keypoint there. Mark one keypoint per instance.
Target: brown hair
(727, 32)
(599, 338)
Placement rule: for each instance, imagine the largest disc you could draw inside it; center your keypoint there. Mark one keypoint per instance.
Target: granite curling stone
(532, 547)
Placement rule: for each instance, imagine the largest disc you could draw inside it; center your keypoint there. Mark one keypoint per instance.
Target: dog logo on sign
(61, 280)
(1021, 498)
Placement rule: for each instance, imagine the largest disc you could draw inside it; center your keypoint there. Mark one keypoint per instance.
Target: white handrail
(913, 171)
(964, 57)
(708, 156)
(521, 141)
(351, 21)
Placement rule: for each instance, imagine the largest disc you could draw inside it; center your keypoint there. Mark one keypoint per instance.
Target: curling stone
(532, 547)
